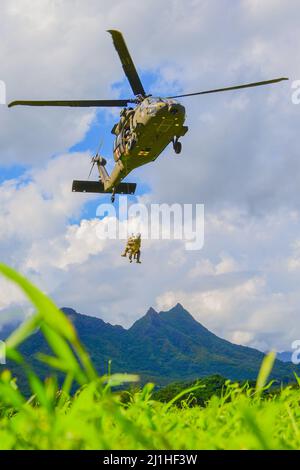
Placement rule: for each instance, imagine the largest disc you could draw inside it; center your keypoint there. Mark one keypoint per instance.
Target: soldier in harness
(133, 248)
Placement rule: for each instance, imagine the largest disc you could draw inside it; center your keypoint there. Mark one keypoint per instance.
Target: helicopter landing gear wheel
(177, 146)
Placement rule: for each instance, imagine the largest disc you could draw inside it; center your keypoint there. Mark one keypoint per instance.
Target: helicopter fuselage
(143, 133)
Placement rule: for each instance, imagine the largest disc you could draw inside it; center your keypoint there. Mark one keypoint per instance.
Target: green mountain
(162, 347)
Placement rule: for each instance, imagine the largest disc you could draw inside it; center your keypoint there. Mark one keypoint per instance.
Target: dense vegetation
(203, 390)
(240, 417)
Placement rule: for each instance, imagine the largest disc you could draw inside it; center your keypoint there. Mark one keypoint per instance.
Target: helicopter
(147, 125)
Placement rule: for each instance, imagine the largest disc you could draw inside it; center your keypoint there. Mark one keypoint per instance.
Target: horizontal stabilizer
(98, 187)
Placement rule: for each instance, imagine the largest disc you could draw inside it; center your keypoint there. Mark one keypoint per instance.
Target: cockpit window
(172, 101)
(154, 100)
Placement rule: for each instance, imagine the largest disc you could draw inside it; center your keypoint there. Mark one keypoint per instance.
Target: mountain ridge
(163, 347)
(173, 340)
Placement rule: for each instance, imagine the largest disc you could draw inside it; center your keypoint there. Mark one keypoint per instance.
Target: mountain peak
(149, 320)
(178, 311)
(179, 305)
(151, 312)
(69, 311)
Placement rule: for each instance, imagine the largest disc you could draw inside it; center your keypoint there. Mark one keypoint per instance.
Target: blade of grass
(61, 348)
(22, 332)
(59, 364)
(182, 393)
(265, 371)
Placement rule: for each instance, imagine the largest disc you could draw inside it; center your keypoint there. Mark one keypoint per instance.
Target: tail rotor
(96, 158)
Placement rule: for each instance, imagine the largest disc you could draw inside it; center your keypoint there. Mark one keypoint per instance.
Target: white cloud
(293, 262)
(241, 337)
(205, 267)
(215, 305)
(73, 246)
(9, 294)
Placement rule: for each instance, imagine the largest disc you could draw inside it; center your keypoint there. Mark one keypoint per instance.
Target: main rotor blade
(100, 145)
(127, 62)
(237, 87)
(92, 167)
(73, 103)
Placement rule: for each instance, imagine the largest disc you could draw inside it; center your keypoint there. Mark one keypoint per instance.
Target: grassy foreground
(96, 417)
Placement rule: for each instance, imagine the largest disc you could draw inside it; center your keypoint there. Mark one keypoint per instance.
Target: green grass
(97, 418)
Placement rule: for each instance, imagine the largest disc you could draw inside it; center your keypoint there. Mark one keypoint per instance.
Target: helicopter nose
(175, 108)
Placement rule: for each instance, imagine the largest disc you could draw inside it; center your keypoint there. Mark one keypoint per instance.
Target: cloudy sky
(240, 159)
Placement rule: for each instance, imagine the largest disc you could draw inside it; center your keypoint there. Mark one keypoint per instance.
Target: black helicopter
(147, 125)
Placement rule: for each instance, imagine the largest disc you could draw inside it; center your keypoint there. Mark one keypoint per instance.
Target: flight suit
(129, 246)
(133, 248)
(136, 250)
